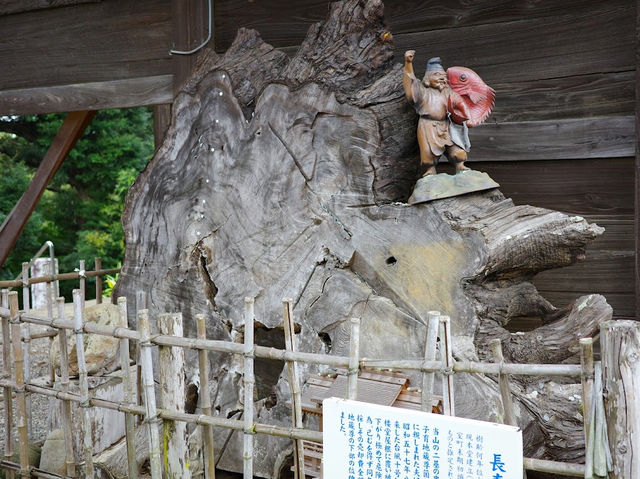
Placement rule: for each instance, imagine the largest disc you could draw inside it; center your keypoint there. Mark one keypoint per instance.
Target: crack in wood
(291, 153)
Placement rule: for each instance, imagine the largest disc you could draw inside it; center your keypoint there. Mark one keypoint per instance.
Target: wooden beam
(161, 121)
(70, 132)
(127, 93)
(190, 23)
(637, 184)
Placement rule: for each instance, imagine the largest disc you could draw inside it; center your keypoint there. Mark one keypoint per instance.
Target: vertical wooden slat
(21, 399)
(66, 404)
(141, 303)
(354, 359)
(78, 326)
(98, 267)
(26, 352)
(171, 362)
(447, 355)
(586, 360)
(151, 415)
(8, 392)
(249, 383)
(190, 21)
(430, 344)
(294, 384)
(70, 132)
(620, 346)
(50, 297)
(129, 393)
(205, 401)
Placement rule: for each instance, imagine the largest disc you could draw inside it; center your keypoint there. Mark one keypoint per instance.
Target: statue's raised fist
(409, 54)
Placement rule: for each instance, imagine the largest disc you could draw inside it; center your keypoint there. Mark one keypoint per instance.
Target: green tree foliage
(80, 211)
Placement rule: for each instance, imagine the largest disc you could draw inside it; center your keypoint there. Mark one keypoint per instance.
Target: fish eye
(463, 77)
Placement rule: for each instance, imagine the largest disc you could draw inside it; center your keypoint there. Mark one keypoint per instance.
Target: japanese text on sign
(368, 441)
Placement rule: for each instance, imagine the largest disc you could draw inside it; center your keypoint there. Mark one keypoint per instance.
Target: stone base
(437, 187)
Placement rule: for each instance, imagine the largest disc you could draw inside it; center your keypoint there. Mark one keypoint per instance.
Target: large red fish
(477, 95)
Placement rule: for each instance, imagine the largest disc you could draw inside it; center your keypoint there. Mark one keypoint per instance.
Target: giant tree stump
(287, 177)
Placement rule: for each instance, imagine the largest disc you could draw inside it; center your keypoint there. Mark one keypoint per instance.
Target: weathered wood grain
(109, 40)
(88, 96)
(276, 178)
(620, 341)
(8, 7)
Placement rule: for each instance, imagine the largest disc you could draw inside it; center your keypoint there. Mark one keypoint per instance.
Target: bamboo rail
(58, 277)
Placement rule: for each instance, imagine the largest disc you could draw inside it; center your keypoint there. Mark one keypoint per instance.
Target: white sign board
(368, 441)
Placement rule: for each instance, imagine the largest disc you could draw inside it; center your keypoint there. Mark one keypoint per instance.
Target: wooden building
(563, 134)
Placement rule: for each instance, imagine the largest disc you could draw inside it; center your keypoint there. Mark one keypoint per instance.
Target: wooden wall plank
(286, 23)
(88, 96)
(580, 138)
(8, 7)
(110, 40)
(603, 187)
(637, 165)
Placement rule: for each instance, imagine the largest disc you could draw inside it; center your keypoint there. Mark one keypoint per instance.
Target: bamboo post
(620, 352)
(129, 393)
(447, 376)
(151, 413)
(141, 303)
(98, 263)
(430, 344)
(83, 282)
(8, 392)
(171, 363)
(503, 381)
(25, 287)
(66, 404)
(354, 359)
(294, 384)
(21, 399)
(586, 361)
(205, 401)
(84, 383)
(50, 289)
(26, 351)
(249, 382)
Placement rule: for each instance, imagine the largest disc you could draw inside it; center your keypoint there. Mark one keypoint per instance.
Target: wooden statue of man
(434, 101)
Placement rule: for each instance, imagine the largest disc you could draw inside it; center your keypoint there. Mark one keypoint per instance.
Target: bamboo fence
(153, 415)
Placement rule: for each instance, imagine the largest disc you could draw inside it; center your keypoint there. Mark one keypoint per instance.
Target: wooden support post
(98, 263)
(8, 392)
(129, 392)
(503, 381)
(205, 402)
(70, 132)
(586, 361)
(249, 382)
(66, 404)
(447, 356)
(83, 376)
(151, 413)
(21, 398)
(83, 282)
(141, 303)
(620, 351)
(173, 397)
(430, 345)
(354, 359)
(294, 384)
